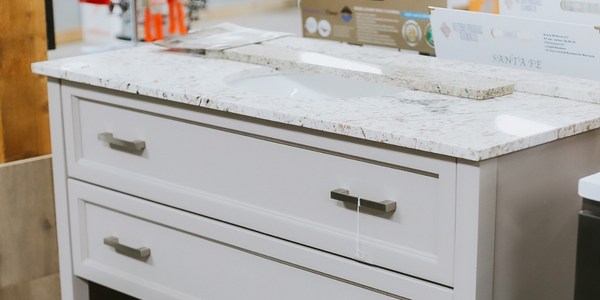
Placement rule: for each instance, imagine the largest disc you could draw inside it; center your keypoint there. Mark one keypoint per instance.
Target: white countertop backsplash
(525, 109)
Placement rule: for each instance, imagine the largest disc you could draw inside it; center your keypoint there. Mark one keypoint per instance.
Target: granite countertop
(464, 110)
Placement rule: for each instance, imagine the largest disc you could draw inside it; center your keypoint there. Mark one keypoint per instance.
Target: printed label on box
(389, 23)
(537, 45)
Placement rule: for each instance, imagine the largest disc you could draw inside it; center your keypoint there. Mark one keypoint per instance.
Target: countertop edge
(475, 155)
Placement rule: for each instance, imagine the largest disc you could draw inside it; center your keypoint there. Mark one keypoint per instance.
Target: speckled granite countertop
(443, 112)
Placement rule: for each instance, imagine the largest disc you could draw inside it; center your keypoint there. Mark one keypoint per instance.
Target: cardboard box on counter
(397, 24)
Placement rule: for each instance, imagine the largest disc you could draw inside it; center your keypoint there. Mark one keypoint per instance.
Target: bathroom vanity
(172, 183)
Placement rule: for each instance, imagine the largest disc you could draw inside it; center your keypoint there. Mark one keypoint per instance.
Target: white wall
(66, 15)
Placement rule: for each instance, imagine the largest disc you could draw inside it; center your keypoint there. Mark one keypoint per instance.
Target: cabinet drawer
(272, 186)
(155, 252)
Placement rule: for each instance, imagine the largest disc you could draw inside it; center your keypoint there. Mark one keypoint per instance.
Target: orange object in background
(158, 25)
(172, 16)
(486, 6)
(176, 17)
(148, 26)
(154, 20)
(181, 18)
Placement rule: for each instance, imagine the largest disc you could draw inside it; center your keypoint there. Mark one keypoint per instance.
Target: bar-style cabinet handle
(344, 196)
(135, 146)
(140, 253)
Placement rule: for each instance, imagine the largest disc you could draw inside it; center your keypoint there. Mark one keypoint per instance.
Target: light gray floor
(66, 50)
(288, 20)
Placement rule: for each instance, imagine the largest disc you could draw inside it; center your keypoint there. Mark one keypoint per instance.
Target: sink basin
(313, 86)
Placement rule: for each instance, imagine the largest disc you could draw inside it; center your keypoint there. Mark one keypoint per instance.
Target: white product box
(536, 45)
(574, 11)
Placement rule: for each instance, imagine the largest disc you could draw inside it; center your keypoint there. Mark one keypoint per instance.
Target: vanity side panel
(72, 287)
(536, 218)
(475, 226)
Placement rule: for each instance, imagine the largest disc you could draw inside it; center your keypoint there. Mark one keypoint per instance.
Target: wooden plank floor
(28, 245)
(45, 288)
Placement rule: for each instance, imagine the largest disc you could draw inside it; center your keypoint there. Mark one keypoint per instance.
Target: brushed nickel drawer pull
(140, 253)
(136, 146)
(344, 196)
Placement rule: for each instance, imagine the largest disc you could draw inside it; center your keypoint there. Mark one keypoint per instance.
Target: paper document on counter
(220, 37)
(536, 45)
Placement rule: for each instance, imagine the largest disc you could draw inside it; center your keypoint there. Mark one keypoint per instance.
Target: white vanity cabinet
(167, 201)
(235, 172)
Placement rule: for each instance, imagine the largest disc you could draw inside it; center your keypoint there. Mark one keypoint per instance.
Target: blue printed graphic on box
(415, 15)
(346, 14)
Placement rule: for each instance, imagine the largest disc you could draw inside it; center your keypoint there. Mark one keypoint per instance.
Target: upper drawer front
(269, 186)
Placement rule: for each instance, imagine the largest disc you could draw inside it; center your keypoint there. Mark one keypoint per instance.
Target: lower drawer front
(186, 263)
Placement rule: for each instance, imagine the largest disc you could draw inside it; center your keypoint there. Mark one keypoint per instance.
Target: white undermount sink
(313, 86)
